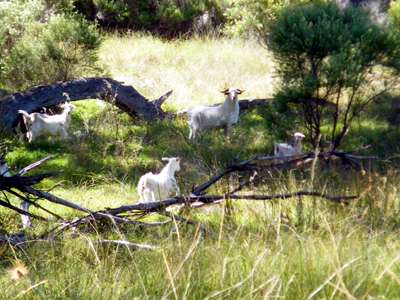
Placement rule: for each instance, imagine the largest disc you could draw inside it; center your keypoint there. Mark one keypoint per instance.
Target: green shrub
(40, 46)
(331, 64)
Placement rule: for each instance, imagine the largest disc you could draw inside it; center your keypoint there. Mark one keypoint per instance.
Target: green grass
(287, 249)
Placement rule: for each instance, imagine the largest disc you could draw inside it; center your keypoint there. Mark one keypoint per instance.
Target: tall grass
(196, 69)
(293, 249)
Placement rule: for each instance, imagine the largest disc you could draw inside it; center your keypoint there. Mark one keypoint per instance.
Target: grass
(196, 69)
(291, 249)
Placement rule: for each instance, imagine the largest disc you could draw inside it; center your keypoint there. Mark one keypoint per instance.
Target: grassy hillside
(293, 249)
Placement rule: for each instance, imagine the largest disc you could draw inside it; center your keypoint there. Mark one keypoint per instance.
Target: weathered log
(124, 97)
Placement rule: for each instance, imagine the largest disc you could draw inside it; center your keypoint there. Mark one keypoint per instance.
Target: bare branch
(126, 244)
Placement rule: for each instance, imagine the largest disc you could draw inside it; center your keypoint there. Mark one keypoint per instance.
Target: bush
(331, 63)
(40, 46)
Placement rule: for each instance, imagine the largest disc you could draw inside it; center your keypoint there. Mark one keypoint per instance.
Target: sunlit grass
(195, 69)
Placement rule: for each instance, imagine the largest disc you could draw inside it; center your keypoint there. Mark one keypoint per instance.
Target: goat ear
(165, 158)
(239, 91)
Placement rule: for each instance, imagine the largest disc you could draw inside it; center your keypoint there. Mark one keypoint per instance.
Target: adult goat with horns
(224, 115)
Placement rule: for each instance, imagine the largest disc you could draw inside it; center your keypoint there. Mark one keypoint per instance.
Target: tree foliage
(40, 44)
(333, 64)
(167, 17)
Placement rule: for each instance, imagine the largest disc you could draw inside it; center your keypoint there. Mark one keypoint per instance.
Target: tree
(41, 44)
(333, 63)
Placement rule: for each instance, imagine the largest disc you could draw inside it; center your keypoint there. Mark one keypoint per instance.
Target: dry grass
(195, 69)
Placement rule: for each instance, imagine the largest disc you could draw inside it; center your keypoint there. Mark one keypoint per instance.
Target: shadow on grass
(106, 145)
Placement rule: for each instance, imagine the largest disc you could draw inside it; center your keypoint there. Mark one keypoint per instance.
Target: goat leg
(26, 220)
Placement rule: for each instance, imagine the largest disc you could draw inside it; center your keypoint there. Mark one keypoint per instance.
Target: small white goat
(207, 117)
(5, 172)
(293, 148)
(43, 124)
(156, 187)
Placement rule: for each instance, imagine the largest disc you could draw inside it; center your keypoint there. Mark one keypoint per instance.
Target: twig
(34, 165)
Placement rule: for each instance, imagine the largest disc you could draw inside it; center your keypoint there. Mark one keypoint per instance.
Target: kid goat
(293, 148)
(156, 187)
(202, 118)
(5, 172)
(43, 124)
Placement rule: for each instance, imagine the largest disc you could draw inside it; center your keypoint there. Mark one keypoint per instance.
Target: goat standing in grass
(5, 172)
(224, 115)
(157, 187)
(43, 124)
(294, 148)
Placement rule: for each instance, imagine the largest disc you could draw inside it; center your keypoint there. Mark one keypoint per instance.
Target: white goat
(5, 172)
(207, 117)
(156, 187)
(43, 124)
(293, 148)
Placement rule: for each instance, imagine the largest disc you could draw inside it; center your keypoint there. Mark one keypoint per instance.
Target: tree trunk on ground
(125, 97)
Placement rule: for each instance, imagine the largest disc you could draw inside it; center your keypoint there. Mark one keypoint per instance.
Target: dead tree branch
(161, 205)
(127, 244)
(259, 163)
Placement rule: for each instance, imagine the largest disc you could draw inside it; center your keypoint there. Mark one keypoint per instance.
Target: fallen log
(124, 97)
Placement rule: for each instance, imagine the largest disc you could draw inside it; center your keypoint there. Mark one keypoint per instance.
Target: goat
(43, 124)
(5, 172)
(157, 187)
(207, 117)
(293, 148)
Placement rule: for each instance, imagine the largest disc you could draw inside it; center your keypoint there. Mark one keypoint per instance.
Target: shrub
(331, 63)
(40, 46)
